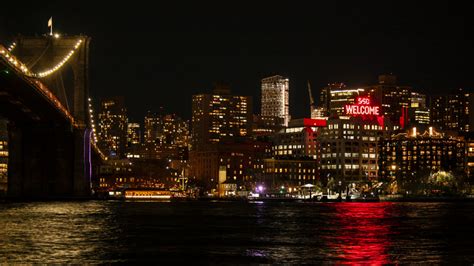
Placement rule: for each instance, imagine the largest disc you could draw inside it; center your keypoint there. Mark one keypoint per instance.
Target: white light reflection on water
(59, 232)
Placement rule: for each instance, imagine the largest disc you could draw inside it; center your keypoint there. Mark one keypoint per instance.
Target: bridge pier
(48, 161)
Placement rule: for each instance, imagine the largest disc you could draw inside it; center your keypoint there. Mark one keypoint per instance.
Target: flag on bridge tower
(50, 25)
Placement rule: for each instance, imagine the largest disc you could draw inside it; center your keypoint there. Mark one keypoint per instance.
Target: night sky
(161, 54)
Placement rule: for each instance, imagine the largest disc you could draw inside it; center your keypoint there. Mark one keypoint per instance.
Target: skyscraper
(334, 97)
(113, 127)
(275, 98)
(220, 116)
(454, 111)
(166, 135)
(393, 98)
(153, 127)
(419, 112)
(133, 134)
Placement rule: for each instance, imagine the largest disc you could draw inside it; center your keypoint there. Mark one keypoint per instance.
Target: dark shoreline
(210, 199)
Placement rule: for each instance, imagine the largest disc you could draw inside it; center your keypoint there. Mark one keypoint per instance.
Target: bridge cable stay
(30, 64)
(62, 90)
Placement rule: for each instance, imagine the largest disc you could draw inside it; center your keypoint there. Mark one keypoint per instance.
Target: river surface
(236, 232)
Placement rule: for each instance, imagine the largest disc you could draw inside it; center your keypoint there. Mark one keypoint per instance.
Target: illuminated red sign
(362, 107)
(315, 122)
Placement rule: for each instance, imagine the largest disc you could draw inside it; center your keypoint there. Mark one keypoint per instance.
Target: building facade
(454, 112)
(266, 125)
(276, 98)
(419, 113)
(334, 97)
(394, 99)
(295, 156)
(219, 117)
(242, 161)
(411, 156)
(112, 135)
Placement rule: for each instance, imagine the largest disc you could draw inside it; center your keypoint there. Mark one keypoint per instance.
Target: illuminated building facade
(133, 134)
(118, 174)
(243, 162)
(394, 99)
(276, 98)
(220, 117)
(349, 150)
(410, 155)
(166, 136)
(319, 113)
(175, 132)
(112, 135)
(454, 112)
(349, 145)
(298, 139)
(266, 125)
(294, 161)
(335, 97)
(3, 157)
(134, 143)
(289, 173)
(419, 113)
(470, 158)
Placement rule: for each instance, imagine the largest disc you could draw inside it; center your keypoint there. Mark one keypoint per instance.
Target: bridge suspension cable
(60, 64)
(42, 74)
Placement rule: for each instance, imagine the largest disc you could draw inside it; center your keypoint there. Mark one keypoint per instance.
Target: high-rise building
(333, 99)
(133, 134)
(134, 143)
(419, 113)
(3, 157)
(154, 127)
(454, 111)
(275, 98)
(220, 116)
(393, 98)
(165, 136)
(175, 131)
(113, 127)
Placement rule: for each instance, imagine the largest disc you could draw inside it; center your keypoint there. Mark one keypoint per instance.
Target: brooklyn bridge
(44, 96)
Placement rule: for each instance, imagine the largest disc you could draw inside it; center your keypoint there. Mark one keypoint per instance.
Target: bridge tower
(48, 55)
(49, 158)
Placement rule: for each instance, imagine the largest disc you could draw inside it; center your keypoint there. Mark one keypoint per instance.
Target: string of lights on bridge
(12, 46)
(61, 63)
(19, 66)
(91, 118)
(42, 74)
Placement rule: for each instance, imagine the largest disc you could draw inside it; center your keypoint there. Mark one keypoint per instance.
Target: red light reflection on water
(363, 233)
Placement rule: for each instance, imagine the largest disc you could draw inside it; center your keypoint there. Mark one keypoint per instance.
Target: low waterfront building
(294, 161)
(410, 157)
(243, 162)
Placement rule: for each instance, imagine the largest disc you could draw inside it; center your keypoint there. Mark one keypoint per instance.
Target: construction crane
(311, 100)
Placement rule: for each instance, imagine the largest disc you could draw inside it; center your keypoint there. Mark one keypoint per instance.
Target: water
(236, 232)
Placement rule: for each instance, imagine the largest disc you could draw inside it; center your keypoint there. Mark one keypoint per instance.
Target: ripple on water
(235, 232)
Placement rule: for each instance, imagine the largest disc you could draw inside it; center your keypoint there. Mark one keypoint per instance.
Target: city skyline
(185, 49)
(234, 133)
